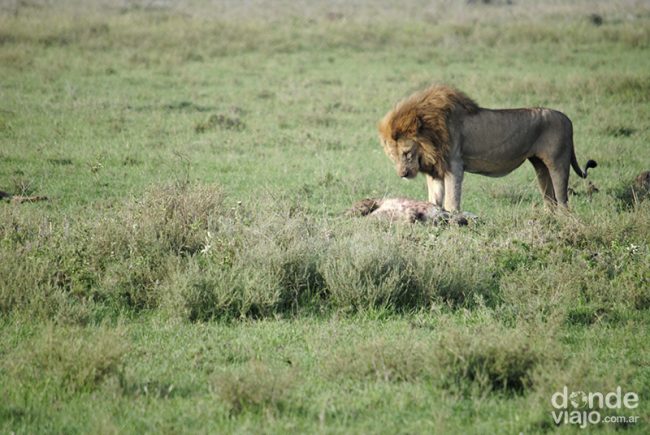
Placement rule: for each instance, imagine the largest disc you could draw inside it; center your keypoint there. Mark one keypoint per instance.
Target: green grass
(193, 269)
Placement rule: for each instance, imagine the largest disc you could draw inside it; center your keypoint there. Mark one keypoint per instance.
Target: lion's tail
(576, 167)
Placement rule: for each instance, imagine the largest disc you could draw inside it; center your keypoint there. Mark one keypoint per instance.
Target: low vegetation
(189, 266)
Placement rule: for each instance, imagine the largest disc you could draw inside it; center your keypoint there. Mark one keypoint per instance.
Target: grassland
(193, 271)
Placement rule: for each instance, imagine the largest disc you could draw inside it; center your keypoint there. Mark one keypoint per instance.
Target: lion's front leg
(453, 184)
(436, 188)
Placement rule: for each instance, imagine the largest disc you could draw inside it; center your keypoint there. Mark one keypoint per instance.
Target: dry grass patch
(254, 386)
(379, 359)
(489, 359)
(70, 359)
(486, 358)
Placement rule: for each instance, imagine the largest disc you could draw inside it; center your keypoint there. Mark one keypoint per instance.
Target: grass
(193, 269)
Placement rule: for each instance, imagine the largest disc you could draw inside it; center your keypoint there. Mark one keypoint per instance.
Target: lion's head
(406, 154)
(415, 134)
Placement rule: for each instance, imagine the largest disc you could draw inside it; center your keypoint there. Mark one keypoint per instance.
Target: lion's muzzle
(406, 173)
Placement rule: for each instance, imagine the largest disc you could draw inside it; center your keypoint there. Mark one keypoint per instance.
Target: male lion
(441, 132)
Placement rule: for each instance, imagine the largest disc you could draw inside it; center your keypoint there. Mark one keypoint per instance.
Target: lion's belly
(491, 168)
(496, 142)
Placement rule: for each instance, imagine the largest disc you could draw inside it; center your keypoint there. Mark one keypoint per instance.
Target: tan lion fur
(423, 116)
(442, 133)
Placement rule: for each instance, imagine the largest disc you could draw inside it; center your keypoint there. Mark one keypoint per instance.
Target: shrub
(118, 258)
(234, 292)
(170, 219)
(489, 358)
(405, 359)
(47, 265)
(254, 386)
(70, 359)
(479, 359)
(287, 247)
(267, 266)
(459, 271)
(371, 269)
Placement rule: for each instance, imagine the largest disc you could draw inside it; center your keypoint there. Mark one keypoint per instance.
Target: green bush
(489, 358)
(399, 360)
(372, 269)
(180, 247)
(68, 360)
(254, 386)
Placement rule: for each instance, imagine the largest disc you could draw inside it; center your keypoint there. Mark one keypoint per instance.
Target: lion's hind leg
(560, 178)
(544, 181)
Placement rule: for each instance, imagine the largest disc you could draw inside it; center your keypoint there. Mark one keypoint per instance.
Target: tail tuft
(590, 164)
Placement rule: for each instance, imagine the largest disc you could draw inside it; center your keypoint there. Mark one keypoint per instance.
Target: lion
(443, 133)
